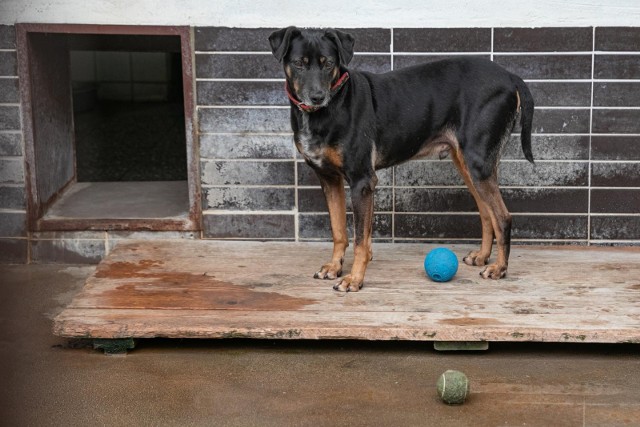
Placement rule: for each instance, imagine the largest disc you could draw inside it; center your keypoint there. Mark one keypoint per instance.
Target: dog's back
(446, 95)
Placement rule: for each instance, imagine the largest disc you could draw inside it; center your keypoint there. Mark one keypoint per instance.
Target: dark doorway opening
(128, 116)
(109, 127)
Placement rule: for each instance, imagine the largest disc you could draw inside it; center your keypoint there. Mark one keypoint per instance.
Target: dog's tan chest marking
(333, 156)
(315, 151)
(321, 156)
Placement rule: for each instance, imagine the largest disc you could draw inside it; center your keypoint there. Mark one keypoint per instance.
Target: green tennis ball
(453, 387)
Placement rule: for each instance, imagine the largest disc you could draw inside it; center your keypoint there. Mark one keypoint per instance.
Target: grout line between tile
(393, 169)
(593, 41)
(492, 41)
(296, 206)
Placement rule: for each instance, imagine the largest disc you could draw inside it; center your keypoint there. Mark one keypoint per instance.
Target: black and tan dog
(348, 124)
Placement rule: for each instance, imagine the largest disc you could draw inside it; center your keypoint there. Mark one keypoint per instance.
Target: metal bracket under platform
(114, 347)
(461, 345)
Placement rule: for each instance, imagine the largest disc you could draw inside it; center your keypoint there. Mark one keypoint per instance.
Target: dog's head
(312, 61)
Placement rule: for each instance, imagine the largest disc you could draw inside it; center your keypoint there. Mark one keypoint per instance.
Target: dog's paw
(348, 283)
(494, 271)
(330, 271)
(475, 258)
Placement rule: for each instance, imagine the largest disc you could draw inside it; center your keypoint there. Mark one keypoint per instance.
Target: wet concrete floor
(50, 381)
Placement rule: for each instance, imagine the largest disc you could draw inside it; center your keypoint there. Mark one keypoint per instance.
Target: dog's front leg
(333, 188)
(362, 200)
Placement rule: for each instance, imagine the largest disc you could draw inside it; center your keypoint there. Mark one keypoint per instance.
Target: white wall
(324, 13)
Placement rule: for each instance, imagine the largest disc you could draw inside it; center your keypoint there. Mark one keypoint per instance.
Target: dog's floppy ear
(280, 39)
(344, 43)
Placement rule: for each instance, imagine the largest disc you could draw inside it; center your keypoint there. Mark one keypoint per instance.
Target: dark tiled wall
(13, 233)
(585, 186)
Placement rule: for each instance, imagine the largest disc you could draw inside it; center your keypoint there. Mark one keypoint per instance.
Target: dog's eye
(329, 64)
(298, 63)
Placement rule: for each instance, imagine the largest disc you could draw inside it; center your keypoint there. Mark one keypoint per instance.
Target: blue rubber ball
(441, 264)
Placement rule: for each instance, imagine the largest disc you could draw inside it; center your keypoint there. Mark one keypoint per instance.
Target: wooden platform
(211, 289)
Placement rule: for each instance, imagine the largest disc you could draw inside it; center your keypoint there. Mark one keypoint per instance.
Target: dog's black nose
(317, 97)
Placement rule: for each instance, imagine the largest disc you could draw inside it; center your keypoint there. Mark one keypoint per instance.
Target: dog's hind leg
(479, 257)
(333, 187)
(483, 141)
(496, 220)
(501, 221)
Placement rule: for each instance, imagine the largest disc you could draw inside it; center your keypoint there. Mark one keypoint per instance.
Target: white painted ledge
(327, 13)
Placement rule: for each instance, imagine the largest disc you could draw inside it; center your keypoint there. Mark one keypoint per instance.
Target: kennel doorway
(109, 135)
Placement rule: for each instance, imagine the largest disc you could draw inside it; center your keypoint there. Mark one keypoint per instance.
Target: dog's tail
(526, 116)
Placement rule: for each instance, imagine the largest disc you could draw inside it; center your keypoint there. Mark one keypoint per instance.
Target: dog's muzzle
(311, 108)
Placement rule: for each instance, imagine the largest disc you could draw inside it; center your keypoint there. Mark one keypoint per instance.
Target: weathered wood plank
(214, 295)
(89, 323)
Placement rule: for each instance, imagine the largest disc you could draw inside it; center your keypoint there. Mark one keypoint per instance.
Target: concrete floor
(45, 380)
(123, 200)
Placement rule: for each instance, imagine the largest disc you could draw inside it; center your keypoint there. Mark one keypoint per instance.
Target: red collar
(311, 108)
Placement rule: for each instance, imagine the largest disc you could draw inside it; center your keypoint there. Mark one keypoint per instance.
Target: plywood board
(217, 289)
